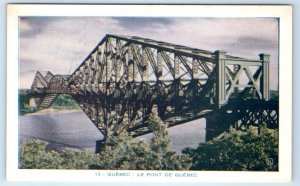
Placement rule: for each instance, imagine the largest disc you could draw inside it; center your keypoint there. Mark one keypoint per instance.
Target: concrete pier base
(216, 124)
(99, 146)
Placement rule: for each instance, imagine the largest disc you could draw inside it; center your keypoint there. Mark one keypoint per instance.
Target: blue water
(75, 130)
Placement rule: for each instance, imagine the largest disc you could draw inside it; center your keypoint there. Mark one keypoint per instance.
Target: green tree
(162, 157)
(24, 108)
(252, 150)
(123, 152)
(71, 159)
(33, 155)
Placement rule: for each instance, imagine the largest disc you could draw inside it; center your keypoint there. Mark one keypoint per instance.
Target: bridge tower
(240, 112)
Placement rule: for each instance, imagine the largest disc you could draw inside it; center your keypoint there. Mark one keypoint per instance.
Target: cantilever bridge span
(125, 78)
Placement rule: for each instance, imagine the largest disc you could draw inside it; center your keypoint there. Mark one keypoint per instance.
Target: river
(75, 130)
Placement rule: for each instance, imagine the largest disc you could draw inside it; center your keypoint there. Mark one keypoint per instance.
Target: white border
(285, 82)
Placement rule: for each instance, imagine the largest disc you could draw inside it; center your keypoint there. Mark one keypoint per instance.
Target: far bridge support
(241, 115)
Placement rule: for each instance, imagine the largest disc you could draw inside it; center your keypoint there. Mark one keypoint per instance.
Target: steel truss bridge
(125, 78)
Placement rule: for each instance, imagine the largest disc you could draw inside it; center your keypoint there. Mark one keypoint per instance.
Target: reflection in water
(75, 130)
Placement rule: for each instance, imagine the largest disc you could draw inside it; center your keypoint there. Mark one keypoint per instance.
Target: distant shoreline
(53, 111)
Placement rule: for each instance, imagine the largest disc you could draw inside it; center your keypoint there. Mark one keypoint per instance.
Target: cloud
(141, 23)
(60, 44)
(30, 27)
(248, 42)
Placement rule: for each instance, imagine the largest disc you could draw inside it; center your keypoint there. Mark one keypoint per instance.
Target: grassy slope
(64, 101)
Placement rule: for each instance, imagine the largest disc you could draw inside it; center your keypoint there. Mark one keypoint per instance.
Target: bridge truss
(125, 78)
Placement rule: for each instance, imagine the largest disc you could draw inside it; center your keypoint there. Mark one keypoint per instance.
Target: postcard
(149, 93)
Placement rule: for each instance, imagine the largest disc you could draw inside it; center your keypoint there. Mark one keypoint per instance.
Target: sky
(60, 44)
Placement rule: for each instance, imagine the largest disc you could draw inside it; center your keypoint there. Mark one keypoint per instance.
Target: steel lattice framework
(125, 78)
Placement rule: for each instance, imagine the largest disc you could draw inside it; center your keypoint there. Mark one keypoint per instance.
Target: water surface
(75, 130)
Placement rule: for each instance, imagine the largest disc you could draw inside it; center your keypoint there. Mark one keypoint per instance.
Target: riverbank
(53, 111)
(63, 104)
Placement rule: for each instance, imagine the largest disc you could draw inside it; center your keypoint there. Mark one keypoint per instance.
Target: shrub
(252, 150)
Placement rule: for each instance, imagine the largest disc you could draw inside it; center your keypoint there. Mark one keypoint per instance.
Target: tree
(33, 155)
(123, 152)
(24, 107)
(160, 144)
(252, 149)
